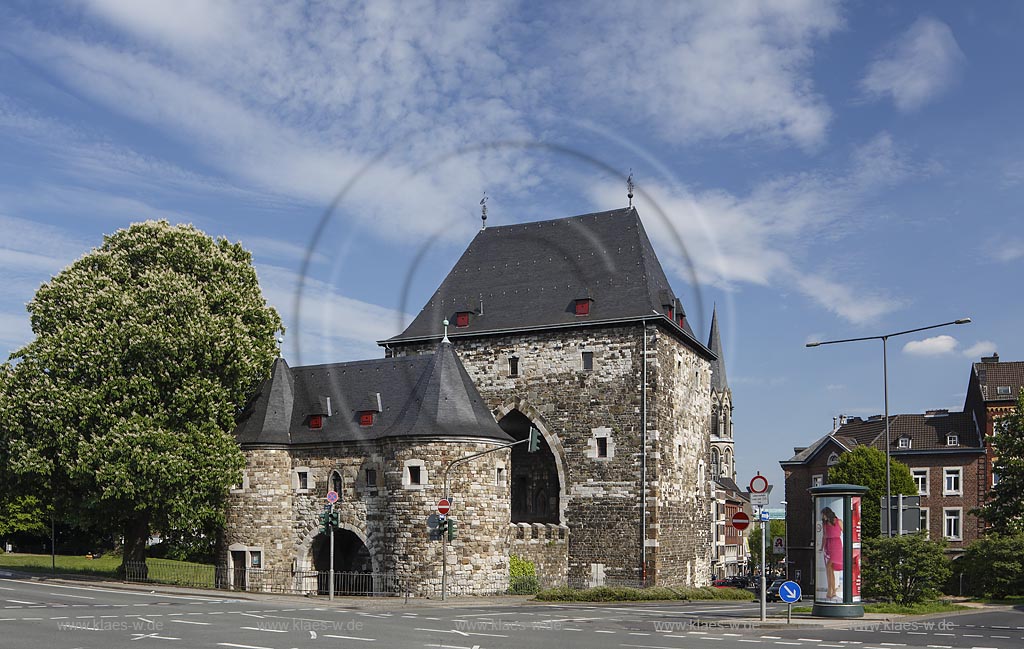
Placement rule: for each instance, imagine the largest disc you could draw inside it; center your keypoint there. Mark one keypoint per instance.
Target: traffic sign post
(444, 506)
(789, 592)
(759, 490)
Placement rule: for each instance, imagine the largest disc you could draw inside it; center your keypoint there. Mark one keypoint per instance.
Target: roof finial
(445, 339)
(629, 186)
(483, 212)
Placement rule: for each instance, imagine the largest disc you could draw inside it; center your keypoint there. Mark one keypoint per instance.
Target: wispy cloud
(703, 69)
(934, 346)
(916, 67)
(762, 237)
(1007, 249)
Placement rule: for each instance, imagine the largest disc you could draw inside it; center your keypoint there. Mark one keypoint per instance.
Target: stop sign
(443, 506)
(740, 520)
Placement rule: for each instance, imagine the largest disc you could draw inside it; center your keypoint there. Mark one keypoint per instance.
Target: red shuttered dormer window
(582, 307)
(316, 422)
(462, 319)
(366, 418)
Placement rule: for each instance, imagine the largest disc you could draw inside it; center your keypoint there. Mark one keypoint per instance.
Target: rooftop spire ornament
(629, 187)
(483, 212)
(445, 339)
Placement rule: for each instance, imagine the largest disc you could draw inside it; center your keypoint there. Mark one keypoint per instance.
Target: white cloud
(980, 348)
(917, 67)
(15, 331)
(934, 346)
(1007, 250)
(334, 327)
(764, 237)
(703, 69)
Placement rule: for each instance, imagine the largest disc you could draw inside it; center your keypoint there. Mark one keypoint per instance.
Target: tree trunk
(136, 533)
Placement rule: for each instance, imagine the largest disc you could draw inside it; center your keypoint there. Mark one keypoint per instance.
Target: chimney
(994, 358)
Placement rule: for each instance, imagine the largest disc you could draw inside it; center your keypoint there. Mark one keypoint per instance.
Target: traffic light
(442, 526)
(335, 519)
(534, 444)
(451, 529)
(325, 521)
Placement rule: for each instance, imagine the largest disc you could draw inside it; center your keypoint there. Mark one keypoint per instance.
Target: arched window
(716, 468)
(337, 482)
(727, 464)
(833, 458)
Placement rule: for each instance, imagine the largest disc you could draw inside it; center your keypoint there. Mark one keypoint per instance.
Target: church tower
(723, 456)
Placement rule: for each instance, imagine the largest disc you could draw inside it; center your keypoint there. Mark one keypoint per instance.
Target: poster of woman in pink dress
(828, 585)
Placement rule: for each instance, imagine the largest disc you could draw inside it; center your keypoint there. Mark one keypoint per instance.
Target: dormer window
(1003, 389)
(903, 442)
(583, 306)
(366, 418)
(462, 319)
(670, 312)
(952, 440)
(316, 422)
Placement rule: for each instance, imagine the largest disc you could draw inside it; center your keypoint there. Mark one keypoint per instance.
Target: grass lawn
(923, 608)
(164, 571)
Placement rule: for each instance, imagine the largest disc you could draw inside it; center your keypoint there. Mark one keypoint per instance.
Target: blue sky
(832, 169)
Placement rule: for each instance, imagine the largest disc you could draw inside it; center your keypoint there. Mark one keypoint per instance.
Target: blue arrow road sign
(764, 516)
(789, 592)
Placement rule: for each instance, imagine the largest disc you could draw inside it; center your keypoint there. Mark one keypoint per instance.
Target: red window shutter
(316, 422)
(582, 307)
(670, 312)
(366, 418)
(462, 319)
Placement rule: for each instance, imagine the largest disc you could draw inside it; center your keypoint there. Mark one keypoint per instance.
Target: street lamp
(885, 378)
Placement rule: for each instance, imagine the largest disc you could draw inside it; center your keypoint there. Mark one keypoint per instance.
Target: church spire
(718, 381)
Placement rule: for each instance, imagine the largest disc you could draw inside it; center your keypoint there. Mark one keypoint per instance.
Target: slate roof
(528, 277)
(730, 485)
(422, 395)
(926, 433)
(718, 379)
(993, 374)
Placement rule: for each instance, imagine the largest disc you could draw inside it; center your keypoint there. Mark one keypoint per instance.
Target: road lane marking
(254, 628)
(241, 646)
(191, 622)
(349, 637)
(20, 601)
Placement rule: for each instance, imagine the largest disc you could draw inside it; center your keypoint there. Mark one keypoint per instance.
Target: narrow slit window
(602, 447)
(414, 475)
(513, 366)
(371, 477)
(303, 480)
(588, 361)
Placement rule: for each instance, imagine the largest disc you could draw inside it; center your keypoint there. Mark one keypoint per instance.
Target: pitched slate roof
(926, 433)
(422, 395)
(993, 374)
(718, 380)
(528, 276)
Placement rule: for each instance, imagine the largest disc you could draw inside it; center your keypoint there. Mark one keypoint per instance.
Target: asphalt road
(82, 616)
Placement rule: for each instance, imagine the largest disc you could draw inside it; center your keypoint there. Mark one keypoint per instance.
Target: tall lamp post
(885, 379)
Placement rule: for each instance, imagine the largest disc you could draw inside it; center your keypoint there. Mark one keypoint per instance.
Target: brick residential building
(946, 456)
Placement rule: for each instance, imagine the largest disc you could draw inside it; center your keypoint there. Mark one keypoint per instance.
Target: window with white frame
(952, 440)
(302, 479)
(951, 528)
(924, 522)
(817, 480)
(921, 480)
(903, 442)
(833, 459)
(414, 474)
(995, 478)
(951, 481)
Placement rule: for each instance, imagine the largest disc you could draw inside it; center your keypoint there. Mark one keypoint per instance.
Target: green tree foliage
(123, 404)
(904, 569)
(522, 576)
(993, 566)
(776, 528)
(865, 466)
(1005, 510)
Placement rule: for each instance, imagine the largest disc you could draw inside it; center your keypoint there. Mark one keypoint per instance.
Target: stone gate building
(568, 326)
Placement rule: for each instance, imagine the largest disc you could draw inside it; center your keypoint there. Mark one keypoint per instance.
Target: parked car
(772, 594)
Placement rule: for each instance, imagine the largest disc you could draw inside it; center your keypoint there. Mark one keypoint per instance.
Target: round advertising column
(837, 550)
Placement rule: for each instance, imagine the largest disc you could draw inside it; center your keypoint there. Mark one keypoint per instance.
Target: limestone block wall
(679, 539)
(547, 546)
(259, 513)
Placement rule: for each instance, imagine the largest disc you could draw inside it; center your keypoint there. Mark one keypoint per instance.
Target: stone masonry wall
(547, 546)
(259, 514)
(600, 496)
(679, 537)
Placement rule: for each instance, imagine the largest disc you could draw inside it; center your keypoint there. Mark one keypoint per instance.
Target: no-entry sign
(444, 506)
(758, 484)
(740, 520)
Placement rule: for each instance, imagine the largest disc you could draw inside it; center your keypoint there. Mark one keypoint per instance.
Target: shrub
(904, 569)
(994, 566)
(620, 594)
(522, 576)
